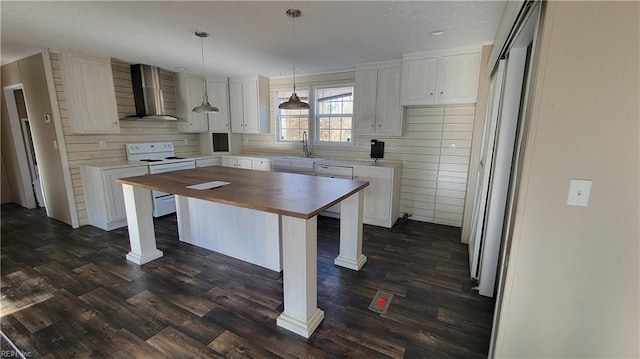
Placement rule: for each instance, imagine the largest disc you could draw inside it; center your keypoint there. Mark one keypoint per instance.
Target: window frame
(316, 121)
(276, 100)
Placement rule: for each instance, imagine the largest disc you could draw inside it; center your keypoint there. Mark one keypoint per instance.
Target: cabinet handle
(431, 94)
(379, 125)
(372, 125)
(442, 92)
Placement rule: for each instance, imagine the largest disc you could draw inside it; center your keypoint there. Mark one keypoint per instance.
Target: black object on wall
(377, 149)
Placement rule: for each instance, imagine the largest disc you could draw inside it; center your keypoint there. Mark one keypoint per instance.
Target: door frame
(525, 41)
(15, 124)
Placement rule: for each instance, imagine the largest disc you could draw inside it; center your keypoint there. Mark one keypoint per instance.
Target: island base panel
(246, 234)
(142, 237)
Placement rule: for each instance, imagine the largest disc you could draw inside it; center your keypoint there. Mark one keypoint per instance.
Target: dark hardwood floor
(71, 294)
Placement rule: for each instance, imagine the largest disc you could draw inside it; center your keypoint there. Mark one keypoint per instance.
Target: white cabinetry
(440, 78)
(249, 163)
(229, 162)
(103, 196)
(382, 196)
(89, 92)
(249, 102)
(244, 163)
(189, 91)
(218, 89)
(377, 99)
(261, 164)
(207, 161)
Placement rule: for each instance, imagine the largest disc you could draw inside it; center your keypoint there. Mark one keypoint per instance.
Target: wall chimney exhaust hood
(147, 94)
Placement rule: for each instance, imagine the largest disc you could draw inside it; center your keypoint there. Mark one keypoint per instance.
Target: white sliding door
(484, 170)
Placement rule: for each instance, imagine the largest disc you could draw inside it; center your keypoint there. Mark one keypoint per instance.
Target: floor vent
(380, 302)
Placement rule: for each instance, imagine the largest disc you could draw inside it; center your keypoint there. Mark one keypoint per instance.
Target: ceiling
(247, 37)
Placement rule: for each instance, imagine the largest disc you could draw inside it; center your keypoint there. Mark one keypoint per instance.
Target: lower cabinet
(103, 196)
(229, 162)
(249, 163)
(207, 161)
(382, 196)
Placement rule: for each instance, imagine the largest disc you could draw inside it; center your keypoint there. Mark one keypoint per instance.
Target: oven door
(164, 203)
(169, 167)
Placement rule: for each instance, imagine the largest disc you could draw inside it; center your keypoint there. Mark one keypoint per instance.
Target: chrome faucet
(305, 145)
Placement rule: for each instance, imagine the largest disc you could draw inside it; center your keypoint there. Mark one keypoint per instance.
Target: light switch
(579, 191)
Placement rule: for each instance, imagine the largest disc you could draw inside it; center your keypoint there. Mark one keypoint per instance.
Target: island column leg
(300, 276)
(142, 237)
(351, 233)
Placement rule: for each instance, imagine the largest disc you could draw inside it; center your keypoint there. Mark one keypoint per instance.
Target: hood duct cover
(147, 94)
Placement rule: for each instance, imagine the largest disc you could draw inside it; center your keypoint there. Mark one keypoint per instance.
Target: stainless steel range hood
(147, 94)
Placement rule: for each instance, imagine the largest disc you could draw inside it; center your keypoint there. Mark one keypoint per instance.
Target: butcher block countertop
(286, 194)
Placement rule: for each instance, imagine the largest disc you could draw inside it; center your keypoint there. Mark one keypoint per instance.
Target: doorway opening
(31, 194)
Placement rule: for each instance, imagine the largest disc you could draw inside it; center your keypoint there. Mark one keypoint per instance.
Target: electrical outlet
(186, 141)
(102, 144)
(392, 146)
(579, 191)
(245, 141)
(357, 144)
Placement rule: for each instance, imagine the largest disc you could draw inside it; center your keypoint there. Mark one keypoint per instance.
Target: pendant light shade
(293, 102)
(205, 106)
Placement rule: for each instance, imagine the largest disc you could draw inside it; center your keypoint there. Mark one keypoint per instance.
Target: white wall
(572, 285)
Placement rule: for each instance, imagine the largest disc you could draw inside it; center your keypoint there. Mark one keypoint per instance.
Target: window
(291, 123)
(334, 114)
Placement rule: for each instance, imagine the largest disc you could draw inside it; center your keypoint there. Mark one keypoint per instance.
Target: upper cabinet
(218, 88)
(377, 99)
(189, 91)
(444, 78)
(90, 93)
(249, 104)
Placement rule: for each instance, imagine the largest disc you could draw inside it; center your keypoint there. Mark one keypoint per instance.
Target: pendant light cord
(204, 78)
(293, 52)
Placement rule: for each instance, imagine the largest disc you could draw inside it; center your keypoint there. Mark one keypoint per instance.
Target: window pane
(290, 123)
(334, 106)
(324, 123)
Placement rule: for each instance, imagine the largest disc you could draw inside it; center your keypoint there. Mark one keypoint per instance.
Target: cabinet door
(90, 92)
(236, 107)
(250, 103)
(219, 97)
(377, 196)
(261, 165)
(229, 162)
(365, 101)
(388, 109)
(115, 196)
(419, 81)
(245, 163)
(196, 122)
(458, 79)
(206, 162)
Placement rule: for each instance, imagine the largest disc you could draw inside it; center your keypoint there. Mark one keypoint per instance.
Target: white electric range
(160, 157)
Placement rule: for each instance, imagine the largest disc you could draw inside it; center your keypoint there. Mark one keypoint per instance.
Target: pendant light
(293, 102)
(205, 106)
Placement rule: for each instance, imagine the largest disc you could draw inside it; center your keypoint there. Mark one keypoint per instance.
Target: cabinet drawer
(333, 171)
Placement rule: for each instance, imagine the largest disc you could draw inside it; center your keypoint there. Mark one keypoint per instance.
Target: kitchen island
(290, 203)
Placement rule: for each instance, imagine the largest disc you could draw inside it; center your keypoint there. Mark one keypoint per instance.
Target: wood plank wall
(433, 174)
(84, 148)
